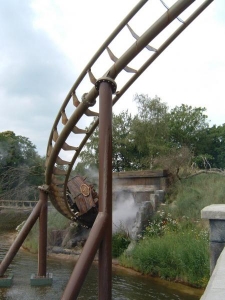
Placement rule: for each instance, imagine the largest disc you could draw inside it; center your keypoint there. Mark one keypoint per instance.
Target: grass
(120, 242)
(190, 196)
(175, 244)
(15, 217)
(178, 256)
(55, 221)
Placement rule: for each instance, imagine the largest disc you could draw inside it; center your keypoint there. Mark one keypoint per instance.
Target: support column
(106, 88)
(42, 278)
(20, 238)
(216, 215)
(43, 227)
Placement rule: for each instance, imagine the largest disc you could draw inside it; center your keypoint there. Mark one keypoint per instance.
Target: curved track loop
(58, 169)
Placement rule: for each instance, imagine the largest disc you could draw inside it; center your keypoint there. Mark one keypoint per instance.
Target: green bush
(120, 242)
(162, 223)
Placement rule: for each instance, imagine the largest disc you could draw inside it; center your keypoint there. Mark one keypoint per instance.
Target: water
(126, 285)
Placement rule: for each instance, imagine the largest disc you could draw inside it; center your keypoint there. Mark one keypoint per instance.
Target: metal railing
(19, 204)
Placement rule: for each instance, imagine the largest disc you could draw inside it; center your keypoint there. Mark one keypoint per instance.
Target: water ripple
(125, 286)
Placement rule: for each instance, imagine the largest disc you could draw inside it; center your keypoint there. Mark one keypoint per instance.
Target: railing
(18, 204)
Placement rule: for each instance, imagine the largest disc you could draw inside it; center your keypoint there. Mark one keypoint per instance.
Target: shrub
(31, 242)
(120, 242)
(161, 223)
(181, 256)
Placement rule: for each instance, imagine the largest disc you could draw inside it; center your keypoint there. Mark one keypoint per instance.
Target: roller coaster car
(83, 200)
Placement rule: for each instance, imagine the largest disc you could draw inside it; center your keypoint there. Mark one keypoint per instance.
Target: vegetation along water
(126, 285)
(174, 245)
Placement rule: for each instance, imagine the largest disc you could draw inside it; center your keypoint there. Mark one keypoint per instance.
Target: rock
(161, 195)
(157, 199)
(75, 235)
(56, 237)
(57, 250)
(143, 215)
(130, 247)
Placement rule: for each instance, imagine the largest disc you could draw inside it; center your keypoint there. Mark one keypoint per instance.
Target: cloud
(45, 45)
(35, 75)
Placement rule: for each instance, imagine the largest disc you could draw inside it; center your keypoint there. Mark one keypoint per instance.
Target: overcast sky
(45, 44)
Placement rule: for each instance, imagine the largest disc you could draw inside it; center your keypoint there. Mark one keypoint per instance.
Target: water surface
(126, 285)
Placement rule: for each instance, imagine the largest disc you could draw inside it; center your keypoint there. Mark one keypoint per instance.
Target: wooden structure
(83, 200)
(139, 183)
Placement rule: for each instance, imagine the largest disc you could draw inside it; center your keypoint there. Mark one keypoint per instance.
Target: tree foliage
(210, 151)
(158, 138)
(21, 168)
(186, 125)
(149, 129)
(123, 148)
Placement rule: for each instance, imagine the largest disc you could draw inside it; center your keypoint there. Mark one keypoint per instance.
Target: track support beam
(20, 238)
(105, 188)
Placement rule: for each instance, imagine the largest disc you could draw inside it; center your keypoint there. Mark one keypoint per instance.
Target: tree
(217, 149)
(186, 125)
(136, 140)
(89, 155)
(150, 129)
(122, 147)
(157, 137)
(21, 168)
(125, 156)
(210, 151)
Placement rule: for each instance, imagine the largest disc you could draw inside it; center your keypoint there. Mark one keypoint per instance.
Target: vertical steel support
(105, 188)
(42, 247)
(20, 238)
(101, 233)
(86, 258)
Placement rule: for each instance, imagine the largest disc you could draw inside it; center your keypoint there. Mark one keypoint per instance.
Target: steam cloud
(124, 212)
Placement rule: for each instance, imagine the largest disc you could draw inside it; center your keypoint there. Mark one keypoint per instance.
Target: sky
(45, 45)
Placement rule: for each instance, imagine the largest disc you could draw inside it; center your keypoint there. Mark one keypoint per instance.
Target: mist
(124, 212)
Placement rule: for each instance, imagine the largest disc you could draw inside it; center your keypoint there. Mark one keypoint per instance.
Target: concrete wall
(215, 289)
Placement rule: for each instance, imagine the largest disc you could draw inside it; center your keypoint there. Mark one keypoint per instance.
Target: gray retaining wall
(215, 289)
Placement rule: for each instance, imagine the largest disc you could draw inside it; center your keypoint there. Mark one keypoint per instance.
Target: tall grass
(178, 256)
(31, 242)
(190, 196)
(175, 244)
(55, 221)
(120, 241)
(10, 218)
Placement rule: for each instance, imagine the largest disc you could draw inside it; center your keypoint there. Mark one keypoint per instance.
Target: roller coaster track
(66, 128)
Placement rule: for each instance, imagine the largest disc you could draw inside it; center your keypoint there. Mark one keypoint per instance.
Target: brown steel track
(65, 127)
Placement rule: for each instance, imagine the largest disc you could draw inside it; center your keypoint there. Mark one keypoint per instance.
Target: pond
(127, 285)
